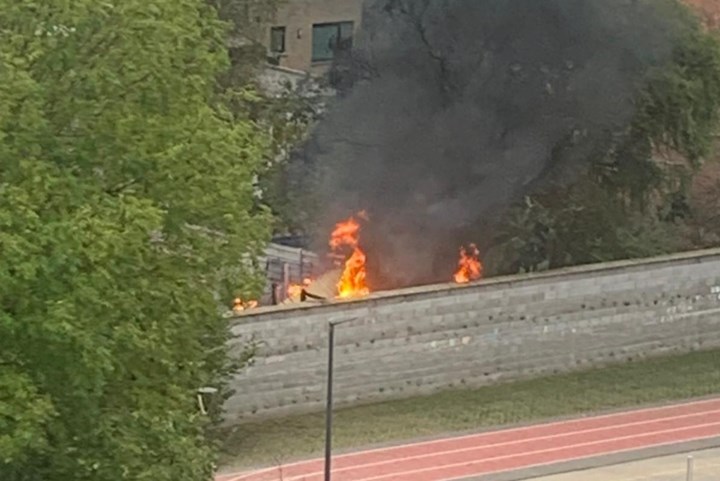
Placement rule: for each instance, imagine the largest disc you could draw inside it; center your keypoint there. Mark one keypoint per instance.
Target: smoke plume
(452, 110)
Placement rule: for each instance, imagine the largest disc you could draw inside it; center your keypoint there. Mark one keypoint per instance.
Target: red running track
(511, 449)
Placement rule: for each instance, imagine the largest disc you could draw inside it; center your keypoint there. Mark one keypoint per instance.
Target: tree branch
(417, 20)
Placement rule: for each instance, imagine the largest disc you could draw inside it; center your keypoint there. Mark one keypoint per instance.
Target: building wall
(709, 11)
(417, 341)
(298, 17)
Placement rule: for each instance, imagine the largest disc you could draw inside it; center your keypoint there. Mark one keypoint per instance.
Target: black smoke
(451, 110)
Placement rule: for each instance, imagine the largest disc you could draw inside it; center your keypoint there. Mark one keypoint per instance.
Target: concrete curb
(600, 461)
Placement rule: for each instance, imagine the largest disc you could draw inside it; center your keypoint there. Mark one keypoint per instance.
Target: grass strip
(627, 385)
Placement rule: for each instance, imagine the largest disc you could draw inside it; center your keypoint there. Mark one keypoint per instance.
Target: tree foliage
(289, 117)
(248, 21)
(582, 224)
(679, 107)
(286, 113)
(126, 187)
(634, 201)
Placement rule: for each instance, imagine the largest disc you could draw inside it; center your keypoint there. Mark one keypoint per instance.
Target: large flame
(469, 266)
(352, 282)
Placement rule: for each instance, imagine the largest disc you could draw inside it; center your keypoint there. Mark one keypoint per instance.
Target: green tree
(581, 224)
(634, 202)
(287, 113)
(289, 116)
(248, 34)
(127, 219)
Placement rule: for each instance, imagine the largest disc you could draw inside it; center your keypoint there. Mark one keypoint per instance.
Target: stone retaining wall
(416, 341)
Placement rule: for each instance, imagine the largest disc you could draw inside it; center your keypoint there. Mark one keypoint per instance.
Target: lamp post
(329, 399)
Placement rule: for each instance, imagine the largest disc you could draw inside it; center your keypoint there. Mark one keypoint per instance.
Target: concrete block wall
(416, 341)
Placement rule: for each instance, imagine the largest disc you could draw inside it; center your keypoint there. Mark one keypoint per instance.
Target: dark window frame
(345, 42)
(283, 40)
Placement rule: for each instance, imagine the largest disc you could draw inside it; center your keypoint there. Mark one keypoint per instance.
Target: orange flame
(352, 282)
(239, 305)
(345, 234)
(469, 266)
(294, 291)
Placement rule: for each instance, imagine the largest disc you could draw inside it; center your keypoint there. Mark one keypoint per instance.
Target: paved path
(500, 453)
(666, 468)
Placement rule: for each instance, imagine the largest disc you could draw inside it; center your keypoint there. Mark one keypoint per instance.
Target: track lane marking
(247, 475)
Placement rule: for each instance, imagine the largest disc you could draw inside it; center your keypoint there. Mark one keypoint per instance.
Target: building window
(277, 40)
(328, 38)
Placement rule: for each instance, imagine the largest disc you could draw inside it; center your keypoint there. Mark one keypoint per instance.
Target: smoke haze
(452, 110)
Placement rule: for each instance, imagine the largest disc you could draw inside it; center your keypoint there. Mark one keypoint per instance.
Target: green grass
(650, 381)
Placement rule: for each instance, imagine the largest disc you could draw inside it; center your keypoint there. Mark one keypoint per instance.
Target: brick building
(306, 33)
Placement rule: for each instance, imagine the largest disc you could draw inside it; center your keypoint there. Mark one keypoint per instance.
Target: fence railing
(285, 266)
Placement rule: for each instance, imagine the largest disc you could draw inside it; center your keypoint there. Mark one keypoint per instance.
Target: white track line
(239, 476)
(503, 444)
(551, 450)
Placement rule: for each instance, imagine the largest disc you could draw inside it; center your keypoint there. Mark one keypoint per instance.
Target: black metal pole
(329, 404)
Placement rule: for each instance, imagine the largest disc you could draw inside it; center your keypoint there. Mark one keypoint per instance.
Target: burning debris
(295, 291)
(350, 260)
(240, 306)
(348, 280)
(469, 266)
